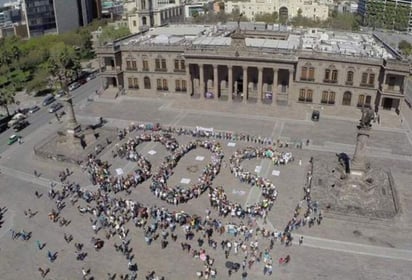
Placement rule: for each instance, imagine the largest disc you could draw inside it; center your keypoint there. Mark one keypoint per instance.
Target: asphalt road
(43, 116)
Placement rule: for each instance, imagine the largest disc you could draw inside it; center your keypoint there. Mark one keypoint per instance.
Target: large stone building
(253, 66)
(316, 10)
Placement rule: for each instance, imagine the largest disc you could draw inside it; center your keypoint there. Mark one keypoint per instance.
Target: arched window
(146, 82)
(347, 98)
(144, 21)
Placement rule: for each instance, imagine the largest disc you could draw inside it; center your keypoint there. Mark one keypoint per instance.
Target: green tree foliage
(7, 94)
(63, 64)
(267, 17)
(110, 33)
(405, 47)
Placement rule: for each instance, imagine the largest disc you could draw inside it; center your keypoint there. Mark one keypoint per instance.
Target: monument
(359, 164)
(354, 187)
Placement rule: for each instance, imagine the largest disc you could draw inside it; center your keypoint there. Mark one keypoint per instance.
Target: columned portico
(201, 82)
(260, 78)
(230, 83)
(245, 84)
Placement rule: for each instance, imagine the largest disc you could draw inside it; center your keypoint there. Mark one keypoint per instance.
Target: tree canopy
(30, 64)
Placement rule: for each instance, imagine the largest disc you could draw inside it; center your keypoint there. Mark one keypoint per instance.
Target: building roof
(316, 40)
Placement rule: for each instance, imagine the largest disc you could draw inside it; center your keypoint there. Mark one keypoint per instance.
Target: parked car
(315, 115)
(55, 107)
(48, 100)
(60, 93)
(20, 125)
(33, 109)
(16, 118)
(14, 138)
(91, 76)
(73, 86)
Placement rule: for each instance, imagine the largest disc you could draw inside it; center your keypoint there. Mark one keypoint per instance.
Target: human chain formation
(244, 242)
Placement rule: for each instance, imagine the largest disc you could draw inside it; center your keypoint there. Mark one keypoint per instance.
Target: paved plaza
(340, 247)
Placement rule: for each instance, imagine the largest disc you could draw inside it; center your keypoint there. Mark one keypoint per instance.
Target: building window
(146, 82)
(177, 85)
(347, 98)
(134, 65)
(361, 100)
(327, 75)
(331, 76)
(349, 78)
(159, 84)
(371, 81)
(160, 65)
(334, 77)
(328, 97)
(176, 64)
(368, 79)
(182, 65)
(305, 95)
(145, 65)
(134, 23)
(364, 78)
(128, 64)
(311, 74)
(307, 74)
(133, 83)
(184, 87)
(304, 73)
(165, 87)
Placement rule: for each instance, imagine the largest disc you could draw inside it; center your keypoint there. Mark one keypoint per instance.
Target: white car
(34, 109)
(73, 86)
(16, 118)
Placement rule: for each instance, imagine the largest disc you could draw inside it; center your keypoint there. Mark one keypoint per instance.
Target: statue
(367, 117)
(238, 21)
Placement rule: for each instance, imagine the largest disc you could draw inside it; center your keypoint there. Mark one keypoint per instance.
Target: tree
(111, 33)
(7, 95)
(266, 17)
(405, 47)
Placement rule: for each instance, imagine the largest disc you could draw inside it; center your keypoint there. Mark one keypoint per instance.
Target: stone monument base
(368, 193)
(75, 148)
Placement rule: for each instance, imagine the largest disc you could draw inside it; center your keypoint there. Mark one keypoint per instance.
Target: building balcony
(349, 83)
(327, 81)
(394, 90)
(179, 70)
(111, 70)
(131, 69)
(367, 85)
(160, 69)
(307, 79)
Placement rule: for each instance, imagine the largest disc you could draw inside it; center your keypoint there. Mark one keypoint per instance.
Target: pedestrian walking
(301, 240)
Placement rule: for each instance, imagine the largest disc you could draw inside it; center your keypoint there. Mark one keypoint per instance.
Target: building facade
(56, 16)
(145, 14)
(285, 9)
(253, 66)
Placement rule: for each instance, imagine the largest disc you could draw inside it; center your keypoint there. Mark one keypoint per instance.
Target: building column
(260, 79)
(201, 81)
(291, 71)
(215, 81)
(189, 86)
(230, 83)
(274, 85)
(245, 84)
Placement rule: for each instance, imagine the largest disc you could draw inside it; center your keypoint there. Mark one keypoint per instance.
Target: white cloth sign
(275, 172)
(200, 158)
(152, 152)
(231, 144)
(185, 181)
(258, 168)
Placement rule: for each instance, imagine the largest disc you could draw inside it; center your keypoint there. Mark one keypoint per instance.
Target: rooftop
(272, 38)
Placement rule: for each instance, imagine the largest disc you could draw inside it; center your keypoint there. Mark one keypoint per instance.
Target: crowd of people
(111, 215)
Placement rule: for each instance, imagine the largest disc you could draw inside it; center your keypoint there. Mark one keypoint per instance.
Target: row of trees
(387, 15)
(345, 21)
(44, 63)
